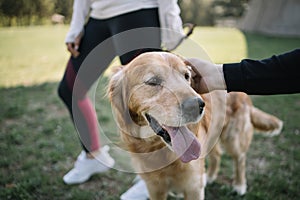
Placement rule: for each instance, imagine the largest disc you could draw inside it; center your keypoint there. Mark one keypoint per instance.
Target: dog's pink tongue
(184, 143)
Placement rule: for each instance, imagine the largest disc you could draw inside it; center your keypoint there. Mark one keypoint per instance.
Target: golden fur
(158, 84)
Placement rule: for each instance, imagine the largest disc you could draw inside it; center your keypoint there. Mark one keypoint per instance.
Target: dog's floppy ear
(196, 77)
(114, 90)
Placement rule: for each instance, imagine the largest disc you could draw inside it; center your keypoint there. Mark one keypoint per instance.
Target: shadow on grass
(39, 145)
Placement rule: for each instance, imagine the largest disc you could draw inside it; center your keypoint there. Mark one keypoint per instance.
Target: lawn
(39, 144)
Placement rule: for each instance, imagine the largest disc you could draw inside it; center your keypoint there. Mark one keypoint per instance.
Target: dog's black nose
(193, 107)
(201, 103)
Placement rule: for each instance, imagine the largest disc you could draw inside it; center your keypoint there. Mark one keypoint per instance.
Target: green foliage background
(38, 12)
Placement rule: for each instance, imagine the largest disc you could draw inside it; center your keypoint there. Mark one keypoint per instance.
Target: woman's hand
(74, 46)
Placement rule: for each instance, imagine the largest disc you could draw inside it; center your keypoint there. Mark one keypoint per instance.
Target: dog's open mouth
(181, 139)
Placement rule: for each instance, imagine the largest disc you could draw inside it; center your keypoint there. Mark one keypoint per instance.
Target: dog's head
(155, 90)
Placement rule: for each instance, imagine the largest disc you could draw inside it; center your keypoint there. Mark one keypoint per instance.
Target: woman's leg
(73, 87)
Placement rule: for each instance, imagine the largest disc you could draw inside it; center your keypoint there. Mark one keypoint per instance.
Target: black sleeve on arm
(274, 75)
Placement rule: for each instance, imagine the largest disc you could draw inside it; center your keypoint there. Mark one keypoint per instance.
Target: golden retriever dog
(169, 129)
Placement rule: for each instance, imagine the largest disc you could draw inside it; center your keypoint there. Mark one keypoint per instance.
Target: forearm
(275, 75)
(171, 23)
(80, 11)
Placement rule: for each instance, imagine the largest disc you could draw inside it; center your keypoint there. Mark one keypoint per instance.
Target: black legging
(95, 32)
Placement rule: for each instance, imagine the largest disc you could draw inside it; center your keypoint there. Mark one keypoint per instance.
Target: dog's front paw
(240, 189)
(204, 179)
(211, 179)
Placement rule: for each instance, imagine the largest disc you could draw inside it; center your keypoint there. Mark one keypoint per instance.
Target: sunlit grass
(32, 55)
(221, 44)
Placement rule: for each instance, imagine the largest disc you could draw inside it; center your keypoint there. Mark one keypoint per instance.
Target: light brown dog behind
(169, 129)
(242, 118)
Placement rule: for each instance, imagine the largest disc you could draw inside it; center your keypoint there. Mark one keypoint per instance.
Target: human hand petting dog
(207, 76)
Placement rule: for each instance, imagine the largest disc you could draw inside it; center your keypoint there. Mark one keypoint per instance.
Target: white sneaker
(85, 167)
(138, 191)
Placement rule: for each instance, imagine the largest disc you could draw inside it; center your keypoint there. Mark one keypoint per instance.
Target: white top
(103, 9)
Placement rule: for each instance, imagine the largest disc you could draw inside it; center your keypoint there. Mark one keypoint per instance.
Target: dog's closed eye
(154, 81)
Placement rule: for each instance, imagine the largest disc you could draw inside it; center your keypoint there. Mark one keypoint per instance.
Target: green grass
(32, 55)
(39, 144)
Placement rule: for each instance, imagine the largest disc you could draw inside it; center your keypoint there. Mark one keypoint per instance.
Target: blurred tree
(64, 8)
(43, 8)
(196, 11)
(12, 9)
(205, 12)
(228, 8)
(28, 12)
